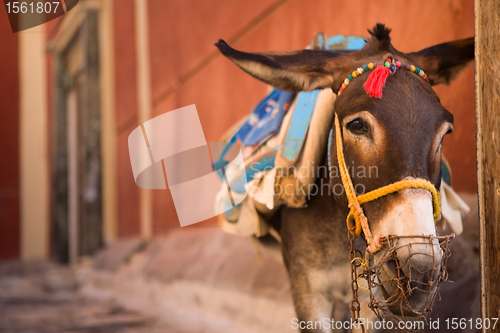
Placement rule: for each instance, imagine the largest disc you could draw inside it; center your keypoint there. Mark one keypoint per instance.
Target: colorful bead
(392, 65)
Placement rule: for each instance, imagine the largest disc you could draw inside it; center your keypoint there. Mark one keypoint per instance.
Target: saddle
(284, 135)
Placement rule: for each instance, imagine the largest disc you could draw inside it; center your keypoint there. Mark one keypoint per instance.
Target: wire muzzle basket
(404, 290)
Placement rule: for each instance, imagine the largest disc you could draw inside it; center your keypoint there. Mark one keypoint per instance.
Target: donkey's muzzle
(415, 261)
(408, 272)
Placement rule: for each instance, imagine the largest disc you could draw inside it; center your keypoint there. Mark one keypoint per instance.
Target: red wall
(182, 34)
(186, 68)
(9, 142)
(126, 109)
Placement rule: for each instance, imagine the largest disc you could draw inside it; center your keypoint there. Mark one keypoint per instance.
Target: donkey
(400, 133)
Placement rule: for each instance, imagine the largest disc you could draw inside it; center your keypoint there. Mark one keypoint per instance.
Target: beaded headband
(376, 81)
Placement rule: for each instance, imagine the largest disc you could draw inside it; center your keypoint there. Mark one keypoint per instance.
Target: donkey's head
(392, 138)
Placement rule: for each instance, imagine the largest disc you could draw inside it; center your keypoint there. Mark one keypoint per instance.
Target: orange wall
(182, 34)
(126, 109)
(9, 142)
(186, 68)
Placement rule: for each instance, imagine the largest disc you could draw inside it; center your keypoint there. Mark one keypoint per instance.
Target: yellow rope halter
(356, 219)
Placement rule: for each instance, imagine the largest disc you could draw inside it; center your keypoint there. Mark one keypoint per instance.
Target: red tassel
(376, 81)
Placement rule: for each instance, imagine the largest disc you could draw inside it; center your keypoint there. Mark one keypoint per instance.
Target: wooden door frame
(487, 53)
(81, 25)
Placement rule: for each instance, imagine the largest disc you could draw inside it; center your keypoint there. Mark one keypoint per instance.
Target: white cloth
(452, 208)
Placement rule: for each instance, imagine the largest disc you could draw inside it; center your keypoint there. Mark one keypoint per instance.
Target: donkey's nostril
(392, 265)
(393, 269)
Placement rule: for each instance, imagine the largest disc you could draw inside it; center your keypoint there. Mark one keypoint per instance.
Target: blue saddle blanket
(265, 120)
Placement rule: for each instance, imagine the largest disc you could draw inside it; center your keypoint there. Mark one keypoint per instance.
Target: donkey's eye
(356, 126)
(438, 150)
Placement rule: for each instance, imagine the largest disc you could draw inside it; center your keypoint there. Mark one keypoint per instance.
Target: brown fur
(408, 116)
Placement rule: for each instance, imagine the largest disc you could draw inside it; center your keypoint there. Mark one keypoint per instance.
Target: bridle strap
(356, 219)
(355, 208)
(402, 184)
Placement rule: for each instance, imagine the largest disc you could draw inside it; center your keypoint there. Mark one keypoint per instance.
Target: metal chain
(355, 306)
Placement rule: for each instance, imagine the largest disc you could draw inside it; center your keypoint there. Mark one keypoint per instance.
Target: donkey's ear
(304, 70)
(443, 62)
